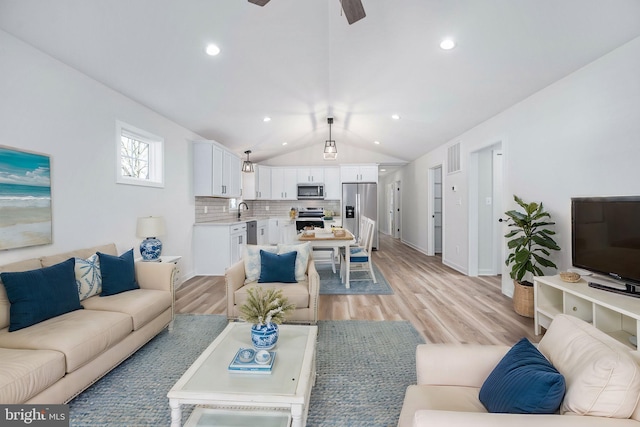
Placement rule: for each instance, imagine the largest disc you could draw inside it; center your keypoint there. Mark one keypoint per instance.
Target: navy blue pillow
(277, 267)
(38, 295)
(524, 382)
(118, 273)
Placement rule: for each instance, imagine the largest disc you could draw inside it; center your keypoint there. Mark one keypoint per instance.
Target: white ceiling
(299, 62)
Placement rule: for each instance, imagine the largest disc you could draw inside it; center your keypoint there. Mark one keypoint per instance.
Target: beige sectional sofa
(56, 359)
(602, 378)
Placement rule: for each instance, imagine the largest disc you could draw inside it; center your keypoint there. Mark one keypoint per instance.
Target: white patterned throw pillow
(251, 257)
(88, 276)
(302, 259)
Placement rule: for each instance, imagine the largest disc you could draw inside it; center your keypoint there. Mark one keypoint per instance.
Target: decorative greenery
(264, 306)
(531, 241)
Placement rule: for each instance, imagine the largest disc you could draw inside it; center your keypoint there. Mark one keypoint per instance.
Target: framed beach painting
(25, 198)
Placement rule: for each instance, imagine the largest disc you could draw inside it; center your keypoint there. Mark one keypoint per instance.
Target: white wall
(577, 137)
(47, 107)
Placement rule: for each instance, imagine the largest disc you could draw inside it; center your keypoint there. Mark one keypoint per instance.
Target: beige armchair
(602, 377)
(304, 294)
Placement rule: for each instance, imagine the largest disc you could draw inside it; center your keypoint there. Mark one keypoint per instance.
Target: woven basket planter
(523, 299)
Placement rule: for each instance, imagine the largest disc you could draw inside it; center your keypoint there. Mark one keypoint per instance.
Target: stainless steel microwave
(310, 191)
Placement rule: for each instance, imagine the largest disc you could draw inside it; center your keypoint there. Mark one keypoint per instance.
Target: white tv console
(617, 315)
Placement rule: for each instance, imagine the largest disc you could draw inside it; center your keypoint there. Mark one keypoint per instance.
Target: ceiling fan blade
(353, 10)
(259, 2)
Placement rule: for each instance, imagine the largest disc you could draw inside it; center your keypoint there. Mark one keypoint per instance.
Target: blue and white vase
(264, 337)
(150, 249)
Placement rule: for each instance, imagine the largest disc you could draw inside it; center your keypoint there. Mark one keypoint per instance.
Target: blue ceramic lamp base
(150, 249)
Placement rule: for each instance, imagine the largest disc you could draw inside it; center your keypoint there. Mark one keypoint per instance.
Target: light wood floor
(442, 304)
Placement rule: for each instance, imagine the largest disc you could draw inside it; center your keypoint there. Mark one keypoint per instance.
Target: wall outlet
(266, 208)
(457, 249)
(224, 209)
(206, 209)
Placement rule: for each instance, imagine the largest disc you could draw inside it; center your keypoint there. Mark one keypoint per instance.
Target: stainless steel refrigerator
(360, 200)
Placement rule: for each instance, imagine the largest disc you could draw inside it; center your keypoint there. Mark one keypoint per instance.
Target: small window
(140, 156)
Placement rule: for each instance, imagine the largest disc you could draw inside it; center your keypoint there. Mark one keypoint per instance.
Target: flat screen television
(605, 238)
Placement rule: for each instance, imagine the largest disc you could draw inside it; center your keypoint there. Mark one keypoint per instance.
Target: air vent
(453, 158)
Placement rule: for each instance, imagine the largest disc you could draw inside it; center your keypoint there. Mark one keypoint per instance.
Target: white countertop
(228, 222)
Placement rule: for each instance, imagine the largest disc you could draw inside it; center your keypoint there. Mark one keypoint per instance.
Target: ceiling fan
(353, 9)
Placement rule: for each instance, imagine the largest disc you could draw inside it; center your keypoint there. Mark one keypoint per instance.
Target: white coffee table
(208, 382)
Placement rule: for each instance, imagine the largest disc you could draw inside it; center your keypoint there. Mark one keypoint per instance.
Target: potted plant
(530, 245)
(265, 309)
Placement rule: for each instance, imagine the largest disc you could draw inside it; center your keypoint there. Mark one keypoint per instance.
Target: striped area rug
(363, 370)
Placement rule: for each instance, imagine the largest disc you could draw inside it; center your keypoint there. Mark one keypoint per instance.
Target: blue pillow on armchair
(277, 267)
(38, 295)
(118, 273)
(523, 382)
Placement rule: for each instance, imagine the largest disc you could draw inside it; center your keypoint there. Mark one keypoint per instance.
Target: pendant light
(247, 166)
(330, 150)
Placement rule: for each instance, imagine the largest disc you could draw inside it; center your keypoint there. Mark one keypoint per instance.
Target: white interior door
(497, 211)
(437, 210)
(485, 207)
(390, 209)
(396, 210)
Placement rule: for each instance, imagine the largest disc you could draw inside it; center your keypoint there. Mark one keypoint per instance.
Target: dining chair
(360, 256)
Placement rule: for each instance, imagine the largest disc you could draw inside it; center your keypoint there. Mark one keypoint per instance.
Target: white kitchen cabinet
(237, 239)
(249, 191)
(281, 230)
(217, 247)
(284, 184)
(359, 173)
(287, 232)
(257, 185)
(332, 184)
(274, 232)
(232, 175)
(310, 175)
(263, 182)
(216, 171)
(263, 232)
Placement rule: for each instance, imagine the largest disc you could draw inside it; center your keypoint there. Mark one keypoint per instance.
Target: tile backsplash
(219, 209)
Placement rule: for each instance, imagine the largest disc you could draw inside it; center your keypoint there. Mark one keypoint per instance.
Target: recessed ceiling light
(284, 143)
(212, 50)
(376, 142)
(383, 170)
(266, 119)
(447, 44)
(395, 117)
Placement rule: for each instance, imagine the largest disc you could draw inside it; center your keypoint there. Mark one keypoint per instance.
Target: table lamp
(149, 228)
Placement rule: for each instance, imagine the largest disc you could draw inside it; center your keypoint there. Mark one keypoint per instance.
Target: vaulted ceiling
(299, 62)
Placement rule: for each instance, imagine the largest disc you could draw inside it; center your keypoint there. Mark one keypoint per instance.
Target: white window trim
(156, 156)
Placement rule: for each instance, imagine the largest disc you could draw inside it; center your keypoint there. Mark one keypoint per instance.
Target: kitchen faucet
(239, 210)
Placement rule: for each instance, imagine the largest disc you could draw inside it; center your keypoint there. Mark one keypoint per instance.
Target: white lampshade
(150, 226)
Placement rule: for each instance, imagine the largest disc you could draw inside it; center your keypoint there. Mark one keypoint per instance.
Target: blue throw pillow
(38, 295)
(277, 267)
(524, 382)
(118, 273)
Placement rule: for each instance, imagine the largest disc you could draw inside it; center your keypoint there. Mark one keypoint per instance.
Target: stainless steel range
(310, 217)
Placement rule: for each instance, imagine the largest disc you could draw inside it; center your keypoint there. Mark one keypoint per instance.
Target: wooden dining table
(327, 239)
